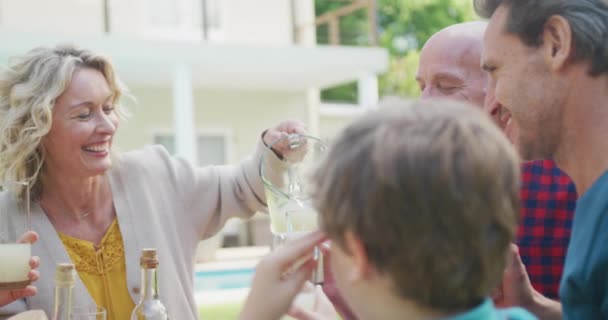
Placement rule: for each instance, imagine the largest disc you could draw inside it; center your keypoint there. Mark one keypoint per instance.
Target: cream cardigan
(162, 202)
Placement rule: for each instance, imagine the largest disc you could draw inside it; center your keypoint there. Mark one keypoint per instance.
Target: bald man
(450, 68)
(449, 64)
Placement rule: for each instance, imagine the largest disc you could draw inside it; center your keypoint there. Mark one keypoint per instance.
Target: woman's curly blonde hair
(29, 87)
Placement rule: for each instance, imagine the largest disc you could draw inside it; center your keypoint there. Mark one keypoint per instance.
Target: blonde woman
(59, 112)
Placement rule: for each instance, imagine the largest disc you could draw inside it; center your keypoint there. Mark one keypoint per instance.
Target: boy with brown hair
(421, 204)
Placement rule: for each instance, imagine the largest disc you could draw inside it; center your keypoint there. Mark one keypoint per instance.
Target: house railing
(332, 18)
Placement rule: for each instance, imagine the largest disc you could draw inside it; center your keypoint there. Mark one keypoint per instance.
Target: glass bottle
(65, 276)
(149, 306)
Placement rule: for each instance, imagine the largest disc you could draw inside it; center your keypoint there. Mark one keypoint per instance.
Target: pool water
(212, 280)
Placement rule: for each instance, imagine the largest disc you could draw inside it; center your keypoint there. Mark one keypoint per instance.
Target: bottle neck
(63, 301)
(149, 284)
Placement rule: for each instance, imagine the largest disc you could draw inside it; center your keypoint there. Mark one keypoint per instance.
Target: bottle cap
(65, 274)
(149, 258)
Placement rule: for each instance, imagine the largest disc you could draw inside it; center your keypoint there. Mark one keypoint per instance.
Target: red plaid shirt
(548, 198)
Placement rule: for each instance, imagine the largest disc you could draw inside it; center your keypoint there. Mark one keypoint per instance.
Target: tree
(404, 26)
(399, 80)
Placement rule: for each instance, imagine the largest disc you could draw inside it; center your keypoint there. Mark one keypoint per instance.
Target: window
(174, 19)
(166, 141)
(163, 13)
(213, 13)
(212, 149)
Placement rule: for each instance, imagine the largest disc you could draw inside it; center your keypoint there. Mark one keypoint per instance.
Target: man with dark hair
(449, 68)
(548, 66)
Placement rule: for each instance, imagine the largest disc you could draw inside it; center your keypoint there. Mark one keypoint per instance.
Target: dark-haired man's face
(522, 84)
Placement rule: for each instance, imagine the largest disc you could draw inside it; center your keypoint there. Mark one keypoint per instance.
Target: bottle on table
(65, 277)
(149, 306)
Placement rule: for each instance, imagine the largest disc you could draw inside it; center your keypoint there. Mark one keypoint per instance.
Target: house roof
(283, 68)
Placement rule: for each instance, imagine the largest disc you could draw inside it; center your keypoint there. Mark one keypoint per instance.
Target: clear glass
(92, 312)
(14, 256)
(288, 193)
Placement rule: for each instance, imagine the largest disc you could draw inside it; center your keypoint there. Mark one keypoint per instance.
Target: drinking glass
(92, 312)
(14, 256)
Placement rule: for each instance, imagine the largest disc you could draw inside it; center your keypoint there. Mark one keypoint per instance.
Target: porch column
(183, 113)
(368, 91)
(313, 97)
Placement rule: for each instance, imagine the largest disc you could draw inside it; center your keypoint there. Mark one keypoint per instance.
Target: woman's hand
(283, 130)
(279, 277)
(8, 296)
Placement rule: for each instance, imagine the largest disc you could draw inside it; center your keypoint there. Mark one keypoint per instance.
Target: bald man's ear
(557, 42)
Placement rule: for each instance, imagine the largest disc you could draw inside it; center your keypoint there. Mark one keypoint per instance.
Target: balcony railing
(207, 20)
(331, 20)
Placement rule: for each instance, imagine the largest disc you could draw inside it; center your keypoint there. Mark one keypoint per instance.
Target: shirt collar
(484, 311)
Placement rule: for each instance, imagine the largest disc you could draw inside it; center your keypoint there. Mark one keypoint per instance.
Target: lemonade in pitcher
(288, 216)
(288, 193)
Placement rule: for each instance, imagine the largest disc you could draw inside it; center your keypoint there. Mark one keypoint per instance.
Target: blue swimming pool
(211, 280)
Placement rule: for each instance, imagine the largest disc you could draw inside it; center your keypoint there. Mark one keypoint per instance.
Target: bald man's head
(450, 64)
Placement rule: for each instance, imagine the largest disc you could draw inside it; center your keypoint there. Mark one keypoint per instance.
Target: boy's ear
(362, 267)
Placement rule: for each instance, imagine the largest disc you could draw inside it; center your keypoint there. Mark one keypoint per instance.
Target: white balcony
(283, 68)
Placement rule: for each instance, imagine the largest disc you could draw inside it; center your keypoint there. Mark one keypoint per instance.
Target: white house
(208, 75)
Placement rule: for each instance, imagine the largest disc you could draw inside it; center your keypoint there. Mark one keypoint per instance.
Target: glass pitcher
(288, 193)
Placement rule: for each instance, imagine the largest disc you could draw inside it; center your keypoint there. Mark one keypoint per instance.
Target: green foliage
(399, 80)
(404, 26)
(346, 93)
(353, 28)
(417, 20)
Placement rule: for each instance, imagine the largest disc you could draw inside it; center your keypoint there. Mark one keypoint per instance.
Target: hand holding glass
(15, 248)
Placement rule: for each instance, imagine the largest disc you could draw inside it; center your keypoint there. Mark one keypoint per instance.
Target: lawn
(223, 312)
(219, 311)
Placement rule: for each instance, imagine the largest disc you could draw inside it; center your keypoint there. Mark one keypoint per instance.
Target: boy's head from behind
(422, 199)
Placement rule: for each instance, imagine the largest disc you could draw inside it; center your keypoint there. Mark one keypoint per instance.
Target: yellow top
(103, 271)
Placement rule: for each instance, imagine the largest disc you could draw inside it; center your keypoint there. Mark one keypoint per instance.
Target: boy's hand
(279, 277)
